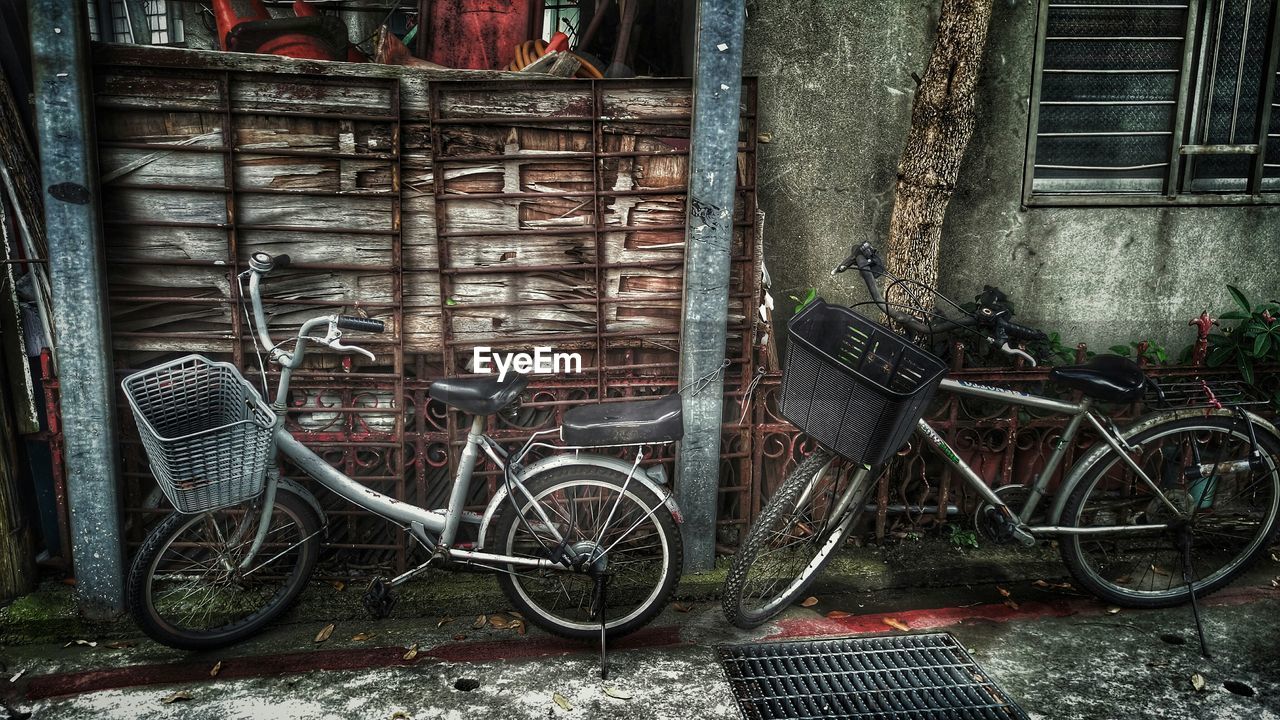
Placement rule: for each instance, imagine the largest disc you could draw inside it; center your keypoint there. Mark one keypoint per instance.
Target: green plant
(1153, 353)
(1253, 339)
(808, 298)
(962, 538)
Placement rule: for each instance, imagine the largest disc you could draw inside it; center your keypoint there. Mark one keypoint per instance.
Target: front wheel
(187, 589)
(622, 526)
(794, 538)
(1223, 521)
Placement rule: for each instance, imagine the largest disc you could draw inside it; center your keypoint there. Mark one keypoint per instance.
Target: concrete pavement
(1058, 654)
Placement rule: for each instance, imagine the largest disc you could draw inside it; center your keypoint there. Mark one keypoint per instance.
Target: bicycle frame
(435, 530)
(1080, 412)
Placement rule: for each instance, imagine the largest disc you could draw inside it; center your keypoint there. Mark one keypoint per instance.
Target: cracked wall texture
(835, 97)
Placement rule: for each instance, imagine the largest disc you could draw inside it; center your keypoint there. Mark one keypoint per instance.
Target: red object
(478, 34)
(559, 41)
(245, 26)
(230, 13)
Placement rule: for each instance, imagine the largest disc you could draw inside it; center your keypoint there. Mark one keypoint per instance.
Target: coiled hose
(530, 50)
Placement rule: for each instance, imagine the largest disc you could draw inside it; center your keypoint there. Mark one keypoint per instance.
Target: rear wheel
(186, 588)
(1226, 518)
(793, 539)
(625, 528)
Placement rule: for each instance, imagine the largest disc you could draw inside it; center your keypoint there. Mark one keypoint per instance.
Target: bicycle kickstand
(601, 583)
(1184, 541)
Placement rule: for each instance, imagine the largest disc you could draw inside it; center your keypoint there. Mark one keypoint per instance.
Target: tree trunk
(942, 120)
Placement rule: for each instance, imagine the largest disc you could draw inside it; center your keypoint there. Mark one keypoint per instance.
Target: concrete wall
(835, 95)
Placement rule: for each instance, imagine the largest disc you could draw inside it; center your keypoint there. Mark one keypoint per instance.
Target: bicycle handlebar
(260, 265)
(991, 315)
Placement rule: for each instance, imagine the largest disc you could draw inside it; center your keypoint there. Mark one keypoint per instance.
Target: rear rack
(1194, 393)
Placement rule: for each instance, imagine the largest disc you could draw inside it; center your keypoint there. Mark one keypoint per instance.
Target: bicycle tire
(737, 601)
(574, 487)
(141, 588)
(1107, 578)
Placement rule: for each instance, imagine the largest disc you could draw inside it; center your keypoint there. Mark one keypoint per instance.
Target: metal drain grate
(889, 676)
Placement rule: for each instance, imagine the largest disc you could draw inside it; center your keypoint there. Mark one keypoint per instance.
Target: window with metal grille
(1155, 101)
(129, 18)
(561, 16)
(92, 6)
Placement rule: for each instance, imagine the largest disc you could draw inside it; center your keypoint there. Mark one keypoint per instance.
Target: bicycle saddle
(1110, 378)
(479, 395)
(625, 423)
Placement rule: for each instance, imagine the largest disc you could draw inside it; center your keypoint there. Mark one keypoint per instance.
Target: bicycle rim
(634, 546)
(195, 587)
(1230, 516)
(794, 540)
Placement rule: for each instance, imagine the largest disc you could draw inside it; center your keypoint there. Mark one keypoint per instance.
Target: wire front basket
(206, 431)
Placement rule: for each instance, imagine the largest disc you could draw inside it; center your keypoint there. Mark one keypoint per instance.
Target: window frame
(1186, 110)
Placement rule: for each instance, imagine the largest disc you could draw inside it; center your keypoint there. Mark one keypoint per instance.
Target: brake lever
(333, 339)
(1020, 353)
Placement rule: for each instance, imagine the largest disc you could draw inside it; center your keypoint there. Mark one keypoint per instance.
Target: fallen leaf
(412, 653)
(499, 622)
(681, 607)
(120, 645)
(1113, 610)
(217, 668)
(324, 633)
(175, 697)
(518, 626)
(85, 643)
(896, 624)
(1013, 604)
(338, 585)
(837, 614)
(1197, 681)
(1040, 584)
(443, 621)
(1004, 592)
(481, 621)
(361, 637)
(809, 601)
(1159, 570)
(562, 701)
(1123, 580)
(517, 614)
(459, 636)
(616, 692)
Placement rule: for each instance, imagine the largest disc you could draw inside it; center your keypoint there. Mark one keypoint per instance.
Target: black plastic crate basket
(853, 385)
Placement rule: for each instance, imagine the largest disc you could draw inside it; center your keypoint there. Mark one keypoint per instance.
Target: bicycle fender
(297, 489)
(1142, 424)
(558, 461)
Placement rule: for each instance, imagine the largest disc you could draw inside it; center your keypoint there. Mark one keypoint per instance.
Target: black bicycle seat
(625, 423)
(479, 395)
(1110, 378)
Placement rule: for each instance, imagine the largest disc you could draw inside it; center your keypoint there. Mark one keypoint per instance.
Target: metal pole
(69, 167)
(713, 165)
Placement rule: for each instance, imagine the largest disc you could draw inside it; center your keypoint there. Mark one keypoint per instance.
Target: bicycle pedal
(378, 599)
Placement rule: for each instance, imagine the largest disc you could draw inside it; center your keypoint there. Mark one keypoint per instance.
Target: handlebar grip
(1022, 332)
(349, 322)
